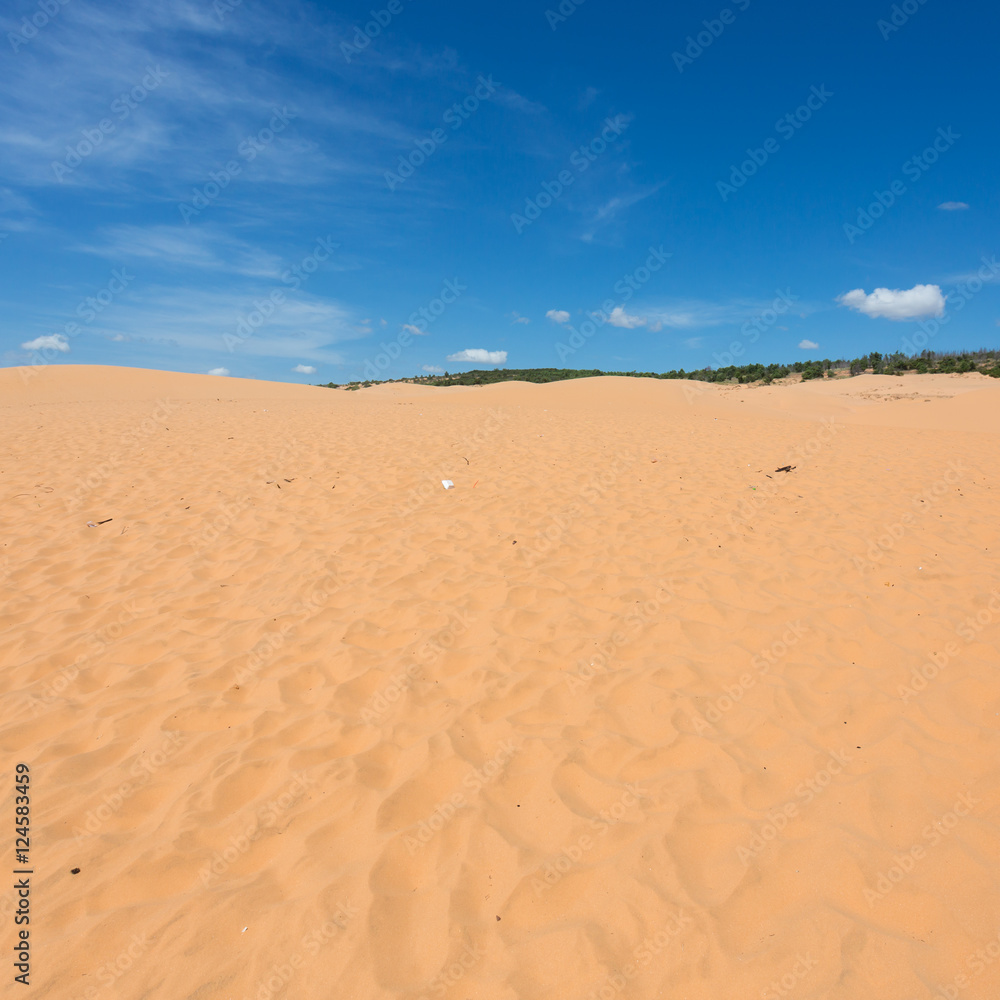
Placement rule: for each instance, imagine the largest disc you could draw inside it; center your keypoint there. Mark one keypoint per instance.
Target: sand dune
(626, 713)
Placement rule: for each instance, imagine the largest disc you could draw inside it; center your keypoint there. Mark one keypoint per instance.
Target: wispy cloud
(206, 247)
(150, 106)
(517, 102)
(16, 212)
(189, 321)
(603, 220)
(621, 202)
(201, 114)
(988, 274)
(685, 314)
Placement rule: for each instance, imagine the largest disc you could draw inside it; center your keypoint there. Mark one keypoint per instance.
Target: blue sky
(308, 192)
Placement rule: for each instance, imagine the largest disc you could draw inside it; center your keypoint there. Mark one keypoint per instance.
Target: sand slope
(627, 713)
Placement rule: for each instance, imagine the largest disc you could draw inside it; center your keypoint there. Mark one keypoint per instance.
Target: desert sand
(626, 713)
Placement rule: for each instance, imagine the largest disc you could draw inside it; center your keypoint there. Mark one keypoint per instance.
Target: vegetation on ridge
(985, 361)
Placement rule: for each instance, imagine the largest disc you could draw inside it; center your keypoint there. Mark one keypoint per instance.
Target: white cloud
(622, 319)
(808, 345)
(218, 371)
(557, 315)
(433, 369)
(415, 330)
(304, 369)
(479, 355)
(693, 342)
(897, 304)
(953, 206)
(519, 318)
(54, 342)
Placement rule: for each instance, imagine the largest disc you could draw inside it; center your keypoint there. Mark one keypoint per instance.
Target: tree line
(984, 360)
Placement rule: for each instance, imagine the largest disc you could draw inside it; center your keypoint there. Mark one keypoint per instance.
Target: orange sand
(625, 714)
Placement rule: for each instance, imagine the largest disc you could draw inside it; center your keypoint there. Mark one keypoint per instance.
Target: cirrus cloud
(479, 355)
(896, 304)
(953, 206)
